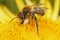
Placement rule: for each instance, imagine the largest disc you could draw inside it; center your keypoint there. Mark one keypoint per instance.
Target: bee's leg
(22, 21)
(36, 23)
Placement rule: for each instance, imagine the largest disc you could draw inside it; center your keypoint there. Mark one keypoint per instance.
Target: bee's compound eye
(21, 15)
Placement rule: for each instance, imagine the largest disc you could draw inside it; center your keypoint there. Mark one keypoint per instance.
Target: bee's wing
(44, 8)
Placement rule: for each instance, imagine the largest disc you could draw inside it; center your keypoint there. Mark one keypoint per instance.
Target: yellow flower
(14, 30)
(48, 26)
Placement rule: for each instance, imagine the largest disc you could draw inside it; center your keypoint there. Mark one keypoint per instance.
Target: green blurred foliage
(36, 1)
(59, 11)
(11, 5)
(52, 2)
(2, 1)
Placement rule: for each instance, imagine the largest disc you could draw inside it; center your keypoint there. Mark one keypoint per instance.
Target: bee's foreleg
(22, 21)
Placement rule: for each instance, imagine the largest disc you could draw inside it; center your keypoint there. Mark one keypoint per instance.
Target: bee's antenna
(12, 19)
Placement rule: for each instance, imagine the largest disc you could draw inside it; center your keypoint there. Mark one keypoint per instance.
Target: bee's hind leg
(36, 24)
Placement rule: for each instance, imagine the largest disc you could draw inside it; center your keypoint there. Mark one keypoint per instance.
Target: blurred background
(10, 4)
(50, 30)
(13, 7)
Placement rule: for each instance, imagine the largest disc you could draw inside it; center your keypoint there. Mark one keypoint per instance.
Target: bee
(29, 12)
